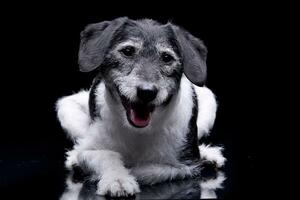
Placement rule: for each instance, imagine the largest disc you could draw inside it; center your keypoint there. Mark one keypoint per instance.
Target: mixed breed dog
(141, 120)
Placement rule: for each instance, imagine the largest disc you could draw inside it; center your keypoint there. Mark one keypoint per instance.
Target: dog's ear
(194, 53)
(95, 41)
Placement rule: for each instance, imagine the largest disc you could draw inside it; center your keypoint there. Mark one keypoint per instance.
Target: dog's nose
(147, 93)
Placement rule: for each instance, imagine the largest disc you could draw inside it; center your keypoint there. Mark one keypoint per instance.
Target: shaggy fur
(168, 65)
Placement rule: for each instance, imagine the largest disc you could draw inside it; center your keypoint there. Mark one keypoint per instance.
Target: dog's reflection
(198, 188)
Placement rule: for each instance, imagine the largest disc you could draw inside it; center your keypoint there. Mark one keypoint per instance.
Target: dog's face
(142, 63)
(143, 68)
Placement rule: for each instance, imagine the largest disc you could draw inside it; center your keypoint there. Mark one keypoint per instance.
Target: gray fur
(97, 41)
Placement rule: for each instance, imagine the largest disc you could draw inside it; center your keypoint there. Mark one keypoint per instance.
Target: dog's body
(143, 116)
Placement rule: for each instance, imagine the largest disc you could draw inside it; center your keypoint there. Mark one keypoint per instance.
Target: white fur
(207, 108)
(213, 154)
(73, 114)
(150, 154)
(114, 177)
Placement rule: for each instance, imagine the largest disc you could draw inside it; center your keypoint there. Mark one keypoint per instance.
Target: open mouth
(138, 113)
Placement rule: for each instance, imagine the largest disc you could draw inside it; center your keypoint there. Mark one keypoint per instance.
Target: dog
(147, 108)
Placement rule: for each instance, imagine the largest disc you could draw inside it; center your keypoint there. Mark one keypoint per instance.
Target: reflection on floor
(197, 188)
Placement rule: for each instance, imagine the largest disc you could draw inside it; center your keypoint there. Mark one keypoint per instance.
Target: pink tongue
(138, 120)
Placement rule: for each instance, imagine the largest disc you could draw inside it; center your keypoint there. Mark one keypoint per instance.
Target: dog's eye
(128, 51)
(165, 57)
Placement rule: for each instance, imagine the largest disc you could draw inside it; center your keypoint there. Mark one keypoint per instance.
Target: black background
(40, 65)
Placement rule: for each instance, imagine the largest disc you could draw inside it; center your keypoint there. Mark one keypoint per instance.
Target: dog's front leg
(115, 179)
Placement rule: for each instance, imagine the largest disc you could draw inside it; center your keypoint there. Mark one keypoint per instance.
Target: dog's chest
(161, 146)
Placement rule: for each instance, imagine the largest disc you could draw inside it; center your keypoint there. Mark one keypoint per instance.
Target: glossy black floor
(42, 44)
(44, 178)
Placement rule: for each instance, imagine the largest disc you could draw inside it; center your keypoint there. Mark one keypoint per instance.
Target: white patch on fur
(212, 154)
(207, 108)
(73, 114)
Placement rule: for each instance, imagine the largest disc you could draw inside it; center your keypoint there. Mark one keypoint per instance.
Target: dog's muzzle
(139, 113)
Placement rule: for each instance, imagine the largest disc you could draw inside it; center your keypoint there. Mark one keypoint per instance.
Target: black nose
(147, 93)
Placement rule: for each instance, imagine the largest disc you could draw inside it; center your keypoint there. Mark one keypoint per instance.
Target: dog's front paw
(212, 155)
(118, 186)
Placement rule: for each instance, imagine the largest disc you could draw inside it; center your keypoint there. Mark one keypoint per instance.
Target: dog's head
(142, 62)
